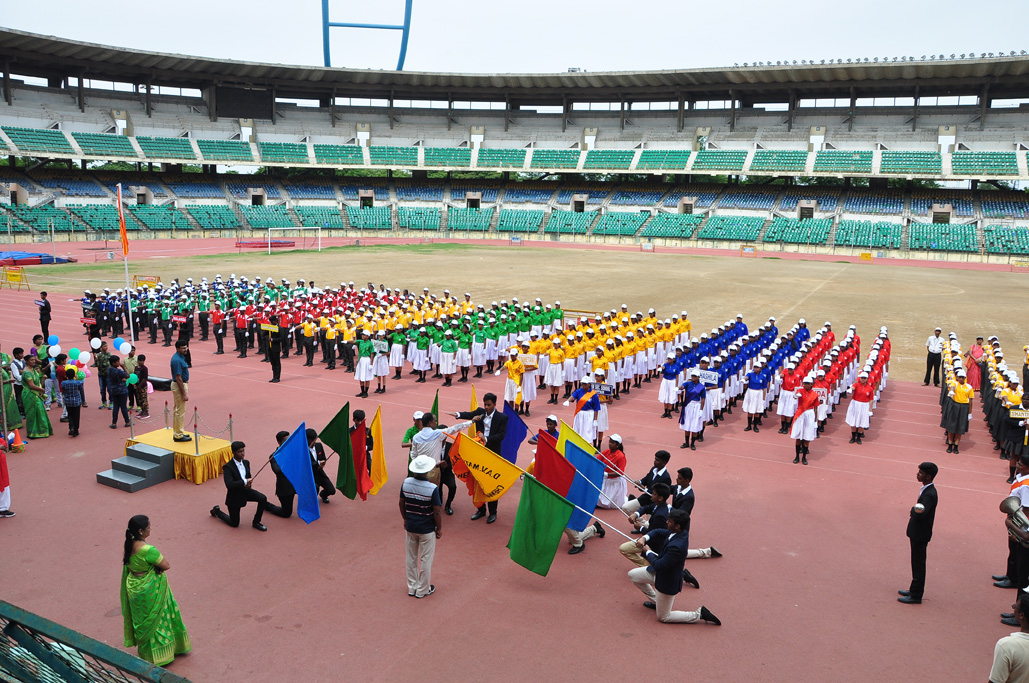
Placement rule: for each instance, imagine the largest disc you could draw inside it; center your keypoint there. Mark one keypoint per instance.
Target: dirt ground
(911, 301)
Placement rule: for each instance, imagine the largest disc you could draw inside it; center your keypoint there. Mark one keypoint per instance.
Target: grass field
(910, 300)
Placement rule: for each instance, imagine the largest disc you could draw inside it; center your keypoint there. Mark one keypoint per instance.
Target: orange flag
(121, 225)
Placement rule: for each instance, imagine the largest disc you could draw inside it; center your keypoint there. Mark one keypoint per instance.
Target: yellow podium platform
(198, 468)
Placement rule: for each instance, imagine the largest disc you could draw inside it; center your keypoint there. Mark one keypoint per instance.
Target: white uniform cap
(962, 373)
(600, 372)
(615, 437)
(695, 373)
(828, 324)
(863, 374)
(670, 356)
(417, 415)
(799, 322)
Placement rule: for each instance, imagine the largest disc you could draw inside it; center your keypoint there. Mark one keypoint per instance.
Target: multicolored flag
(567, 434)
(552, 470)
(121, 225)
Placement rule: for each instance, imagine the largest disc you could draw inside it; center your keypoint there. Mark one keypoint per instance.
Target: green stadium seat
(720, 160)
(283, 152)
(622, 224)
(984, 164)
(264, 217)
(166, 148)
(40, 218)
(732, 228)
(841, 161)
(879, 234)
(911, 163)
(419, 218)
(161, 217)
(520, 220)
(492, 157)
(608, 158)
(339, 155)
(795, 231)
(663, 160)
(103, 145)
(39, 140)
(102, 216)
(673, 225)
(555, 158)
(570, 222)
(779, 160)
(214, 216)
(455, 157)
(371, 218)
(1007, 239)
(319, 216)
(469, 219)
(393, 156)
(943, 237)
(225, 150)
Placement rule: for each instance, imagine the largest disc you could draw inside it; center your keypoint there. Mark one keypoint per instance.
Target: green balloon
(73, 353)
(133, 378)
(80, 375)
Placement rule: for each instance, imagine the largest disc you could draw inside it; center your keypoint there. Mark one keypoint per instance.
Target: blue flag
(585, 489)
(514, 436)
(294, 460)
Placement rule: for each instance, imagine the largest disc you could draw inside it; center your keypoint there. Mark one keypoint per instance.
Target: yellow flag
(475, 404)
(379, 475)
(495, 475)
(568, 434)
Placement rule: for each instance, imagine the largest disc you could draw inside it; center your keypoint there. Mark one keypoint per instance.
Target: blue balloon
(52, 340)
(118, 341)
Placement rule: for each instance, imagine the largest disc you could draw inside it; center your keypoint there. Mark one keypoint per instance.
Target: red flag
(121, 225)
(545, 436)
(552, 470)
(359, 443)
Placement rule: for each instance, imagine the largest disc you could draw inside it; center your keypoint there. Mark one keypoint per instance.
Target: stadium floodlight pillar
(405, 28)
(7, 85)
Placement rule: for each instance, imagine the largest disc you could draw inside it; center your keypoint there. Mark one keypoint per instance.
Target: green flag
(435, 406)
(336, 436)
(538, 526)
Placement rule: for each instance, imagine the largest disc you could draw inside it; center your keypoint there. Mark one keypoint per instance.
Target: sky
(537, 35)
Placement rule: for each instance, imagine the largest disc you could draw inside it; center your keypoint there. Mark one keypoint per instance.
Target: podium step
(142, 466)
(121, 480)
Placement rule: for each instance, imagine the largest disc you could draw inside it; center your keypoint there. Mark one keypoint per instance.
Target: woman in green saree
(37, 422)
(151, 616)
(10, 401)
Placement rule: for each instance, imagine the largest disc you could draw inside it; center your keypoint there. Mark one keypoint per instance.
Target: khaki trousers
(644, 580)
(576, 538)
(420, 550)
(633, 553)
(179, 413)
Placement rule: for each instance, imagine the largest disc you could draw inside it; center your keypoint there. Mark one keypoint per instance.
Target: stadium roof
(33, 54)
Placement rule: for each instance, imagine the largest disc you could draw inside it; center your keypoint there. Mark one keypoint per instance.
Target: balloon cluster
(122, 346)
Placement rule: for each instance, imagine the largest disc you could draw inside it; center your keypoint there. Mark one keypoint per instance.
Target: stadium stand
(1007, 239)
(407, 192)
(843, 161)
(489, 194)
(494, 157)
(529, 193)
(214, 216)
(922, 202)
(520, 220)
(880, 234)
(569, 222)
(827, 199)
(735, 228)
(663, 160)
(9, 220)
(943, 237)
(456, 157)
(195, 189)
(624, 223)
(72, 185)
(779, 160)
(310, 189)
(339, 155)
(166, 148)
(469, 219)
(393, 156)
(39, 140)
(637, 197)
(101, 216)
(911, 163)
(720, 160)
(371, 218)
(283, 152)
(554, 158)
(41, 216)
(103, 145)
(161, 217)
(608, 158)
(241, 188)
(672, 225)
(985, 164)
(705, 195)
(749, 199)
(1004, 204)
(795, 231)
(419, 218)
(264, 217)
(225, 150)
(319, 216)
(352, 189)
(875, 201)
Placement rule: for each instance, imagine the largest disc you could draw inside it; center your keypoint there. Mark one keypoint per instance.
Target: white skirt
(857, 414)
(447, 363)
(380, 366)
(555, 376)
(569, 370)
(412, 348)
(529, 386)
(753, 401)
(478, 353)
(822, 411)
(434, 353)
(805, 427)
(613, 492)
(641, 363)
(716, 398)
(491, 349)
(787, 404)
(585, 425)
(628, 367)
(708, 412)
(692, 419)
(396, 356)
(511, 391)
(363, 371)
(602, 424)
(464, 358)
(420, 360)
(668, 391)
(544, 365)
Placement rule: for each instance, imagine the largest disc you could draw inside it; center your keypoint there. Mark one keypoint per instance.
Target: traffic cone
(17, 446)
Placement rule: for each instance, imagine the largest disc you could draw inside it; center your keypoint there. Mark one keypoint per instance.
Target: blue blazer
(667, 567)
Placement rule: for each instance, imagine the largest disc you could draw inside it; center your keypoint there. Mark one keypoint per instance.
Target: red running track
(813, 556)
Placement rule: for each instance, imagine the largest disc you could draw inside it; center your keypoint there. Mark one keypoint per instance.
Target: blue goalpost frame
(405, 28)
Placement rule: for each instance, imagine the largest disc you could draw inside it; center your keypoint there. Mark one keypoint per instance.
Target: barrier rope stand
(166, 424)
(215, 433)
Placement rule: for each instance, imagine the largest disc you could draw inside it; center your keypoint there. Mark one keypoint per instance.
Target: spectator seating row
(779, 160)
(622, 223)
(911, 163)
(489, 194)
(569, 222)
(843, 161)
(637, 197)
(284, 152)
(922, 202)
(41, 217)
(457, 157)
(393, 156)
(762, 200)
(1014, 204)
(943, 237)
(411, 193)
(663, 160)
(705, 195)
(225, 150)
(720, 160)
(875, 201)
(732, 228)
(554, 158)
(419, 218)
(77, 186)
(878, 234)
(520, 220)
(161, 217)
(310, 190)
(319, 216)
(1007, 239)
(609, 158)
(166, 148)
(988, 164)
(101, 216)
(469, 219)
(827, 201)
(371, 218)
(339, 155)
(105, 145)
(39, 140)
(241, 189)
(529, 193)
(213, 216)
(796, 231)
(263, 217)
(672, 225)
(499, 157)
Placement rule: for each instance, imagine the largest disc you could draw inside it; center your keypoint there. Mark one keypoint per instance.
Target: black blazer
(236, 488)
(684, 501)
(667, 566)
(920, 525)
(652, 479)
(44, 310)
(498, 427)
(283, 487)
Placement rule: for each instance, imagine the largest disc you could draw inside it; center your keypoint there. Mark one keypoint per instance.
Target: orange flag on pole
(121, 225)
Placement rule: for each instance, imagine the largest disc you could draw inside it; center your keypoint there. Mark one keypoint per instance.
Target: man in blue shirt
(180, 388)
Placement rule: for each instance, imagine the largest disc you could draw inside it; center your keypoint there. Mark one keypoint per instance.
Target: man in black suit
(492, 427)
(239, 490)
(662, 580)
(44, 315)
(683, 497)
(284, 490)
(920, 532)
(318, 459)
(657, 473)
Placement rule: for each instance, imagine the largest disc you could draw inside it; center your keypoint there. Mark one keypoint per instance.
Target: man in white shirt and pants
(932, 361)
(429, 442)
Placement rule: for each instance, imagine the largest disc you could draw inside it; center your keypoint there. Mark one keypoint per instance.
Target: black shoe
(325, 499)
(956, 449)
(1005, 583)
(714, 552)
(684, 445)
(600, 529)
(575, 550)
(749, 428)
(1000, 578)
(184, 437)
(904, 593)
(853, 439)
(706, 615)
(491, 519)
(479, 514)
(259, 526)
(432, 589)
(450, 510)
(796, 460)
(908, 600)
(693, 446)
(273, 381)
(647, 603)
(803, 461)
(215, 510)
(689, 578)
(218, 353)
(1010, 622)
(1007, 615)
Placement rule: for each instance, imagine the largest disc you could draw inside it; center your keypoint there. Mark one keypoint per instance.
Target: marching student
(860, 405)
(555, 376)
(805, 424)
(691, 419)
(380, 365)
(956, 410)
(754, 399)
(587, 405)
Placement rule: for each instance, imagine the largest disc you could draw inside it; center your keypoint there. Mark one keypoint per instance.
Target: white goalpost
(316, 237)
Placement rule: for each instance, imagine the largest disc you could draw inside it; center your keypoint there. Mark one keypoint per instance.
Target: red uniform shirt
(807, 399)
(863, 393)
(613, 461)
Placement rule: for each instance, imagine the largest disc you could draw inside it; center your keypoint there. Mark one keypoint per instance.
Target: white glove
(247, 334)
(497, 373)
(567, 403)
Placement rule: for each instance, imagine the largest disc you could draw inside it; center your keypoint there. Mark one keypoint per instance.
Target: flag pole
(125, 258)
(600, 521)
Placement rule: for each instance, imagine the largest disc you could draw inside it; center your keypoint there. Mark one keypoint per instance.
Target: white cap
(552, 418)
(799, 322)
(600, 372)
(422, 464)
(695, 373)
(615, 437)
(863, 374)
(670, 356)
(828, 324)
(938, 329)
(418, 415)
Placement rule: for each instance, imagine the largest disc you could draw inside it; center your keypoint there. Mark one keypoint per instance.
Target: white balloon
(125, 348)
(55, 350)
(85, 357)
(95, 343)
